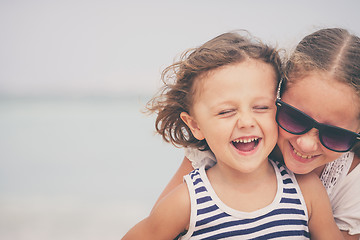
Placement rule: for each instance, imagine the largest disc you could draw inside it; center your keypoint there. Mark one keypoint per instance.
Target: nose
(309, 141)
(245, 120)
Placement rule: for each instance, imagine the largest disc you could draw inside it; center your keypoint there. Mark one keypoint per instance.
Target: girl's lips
(300, 157)
(247, 146)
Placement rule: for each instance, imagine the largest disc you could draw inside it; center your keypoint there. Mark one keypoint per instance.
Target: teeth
(245, 140)
(302, 156)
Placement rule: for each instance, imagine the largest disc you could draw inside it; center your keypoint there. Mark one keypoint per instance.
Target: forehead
(245, 73)
(325, 99)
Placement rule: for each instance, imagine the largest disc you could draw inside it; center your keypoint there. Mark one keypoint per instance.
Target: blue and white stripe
(285, 218)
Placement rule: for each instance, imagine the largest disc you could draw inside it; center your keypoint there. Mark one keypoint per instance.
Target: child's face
(234, 110)
(327, 101)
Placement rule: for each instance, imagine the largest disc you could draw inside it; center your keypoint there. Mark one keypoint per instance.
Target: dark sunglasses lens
(292, 120)
(337, 139)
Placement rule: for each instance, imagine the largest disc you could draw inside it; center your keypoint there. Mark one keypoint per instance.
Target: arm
(347, 236)
(351, 190)
(198, 159)
(168, 219)
(321, 221)
(177, 179)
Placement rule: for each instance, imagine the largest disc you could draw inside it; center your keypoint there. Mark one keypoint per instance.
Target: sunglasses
(296, 122)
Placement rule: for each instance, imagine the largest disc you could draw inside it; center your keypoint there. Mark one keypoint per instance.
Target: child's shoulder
(310, 184)
(321, 220)
(180, 195)
(312, 189)
(171, 215)
(309, 181)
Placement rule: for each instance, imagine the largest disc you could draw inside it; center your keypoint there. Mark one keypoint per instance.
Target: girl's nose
(245, 121)
(309, 141)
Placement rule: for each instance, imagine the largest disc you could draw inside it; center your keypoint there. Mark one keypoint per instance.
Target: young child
(223, 98)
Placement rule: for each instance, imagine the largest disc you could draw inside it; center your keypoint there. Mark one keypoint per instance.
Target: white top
(343, 188)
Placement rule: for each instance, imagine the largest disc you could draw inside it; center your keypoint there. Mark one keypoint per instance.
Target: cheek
(329, 155)
(283, 137)
(216, 129)
(275, 130)
(282, 133)
(270, 128)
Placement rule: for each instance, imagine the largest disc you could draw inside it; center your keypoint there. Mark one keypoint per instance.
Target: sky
(115, 48)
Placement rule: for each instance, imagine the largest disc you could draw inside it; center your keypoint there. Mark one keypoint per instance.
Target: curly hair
(177, 94)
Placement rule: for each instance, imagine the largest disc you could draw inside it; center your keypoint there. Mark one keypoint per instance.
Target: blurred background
(78, 158)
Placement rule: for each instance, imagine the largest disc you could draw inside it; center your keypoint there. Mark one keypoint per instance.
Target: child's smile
(246, 144)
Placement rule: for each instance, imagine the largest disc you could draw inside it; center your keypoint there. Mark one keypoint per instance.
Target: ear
(193, 125)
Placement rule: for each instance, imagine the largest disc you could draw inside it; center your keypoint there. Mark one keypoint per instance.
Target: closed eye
(226, 112)
(261, 108)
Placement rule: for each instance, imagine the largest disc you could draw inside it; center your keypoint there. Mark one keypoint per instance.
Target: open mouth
(302, 156)
(246, 144)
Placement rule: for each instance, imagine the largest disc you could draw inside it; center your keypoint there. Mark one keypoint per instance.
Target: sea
(81, 168)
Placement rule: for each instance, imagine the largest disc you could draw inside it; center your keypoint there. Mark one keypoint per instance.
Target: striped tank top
(285, 218)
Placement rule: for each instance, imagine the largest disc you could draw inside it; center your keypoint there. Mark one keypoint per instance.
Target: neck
(319, 170)
(355, 163)
(236, 178)
(244, 191)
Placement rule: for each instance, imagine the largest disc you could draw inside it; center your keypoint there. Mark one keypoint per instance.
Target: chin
(299, 170)
(297, 167)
